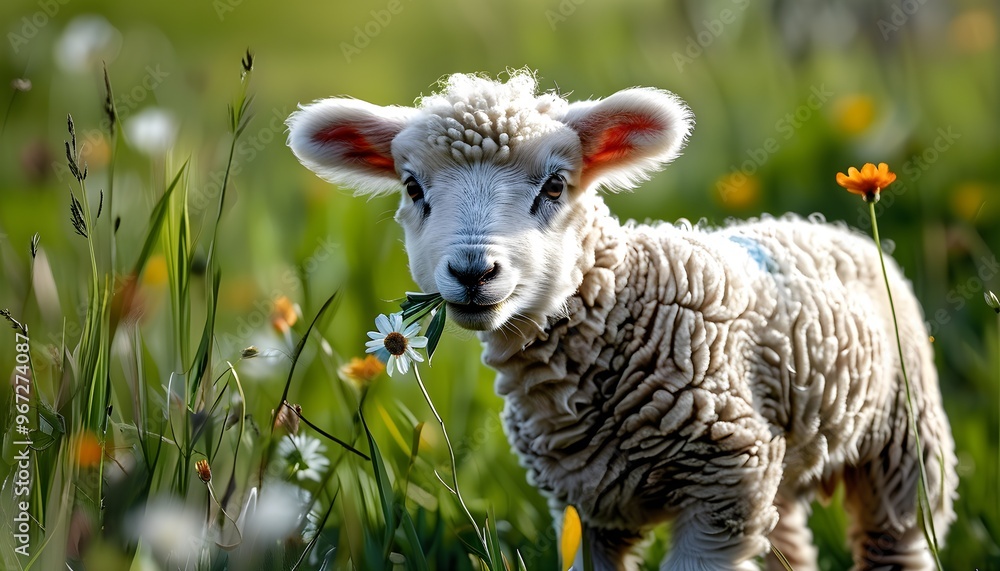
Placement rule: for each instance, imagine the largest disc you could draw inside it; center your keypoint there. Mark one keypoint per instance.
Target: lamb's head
(498, 183)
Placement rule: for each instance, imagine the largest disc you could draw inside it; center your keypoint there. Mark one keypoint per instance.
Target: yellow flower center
(395, 343)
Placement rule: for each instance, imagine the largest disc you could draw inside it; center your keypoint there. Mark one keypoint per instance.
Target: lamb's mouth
(475, 316)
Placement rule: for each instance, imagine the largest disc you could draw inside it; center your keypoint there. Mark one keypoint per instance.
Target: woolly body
(715, 378)
(710, 371)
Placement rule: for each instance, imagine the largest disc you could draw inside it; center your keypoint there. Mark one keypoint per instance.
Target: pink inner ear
(354, 146)
(615, 142)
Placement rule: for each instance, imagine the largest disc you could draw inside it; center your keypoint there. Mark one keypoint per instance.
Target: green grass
(137, 331)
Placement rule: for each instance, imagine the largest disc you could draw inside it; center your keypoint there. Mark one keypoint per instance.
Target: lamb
(720, 379)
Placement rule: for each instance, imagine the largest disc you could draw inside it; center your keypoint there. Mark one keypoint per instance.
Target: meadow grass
(167, 441)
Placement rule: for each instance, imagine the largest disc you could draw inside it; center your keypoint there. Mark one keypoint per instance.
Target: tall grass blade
(496, 560)
(156, 222)
(203, 356)
(386, 495)
(415, 554)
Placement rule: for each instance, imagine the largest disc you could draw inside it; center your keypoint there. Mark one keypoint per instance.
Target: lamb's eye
(414, 190)
(554, 186)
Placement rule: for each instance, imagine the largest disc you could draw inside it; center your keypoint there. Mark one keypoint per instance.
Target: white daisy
(87, 40)
(174, 531)
(304, 456)
(152, 131)
(393, 344)
(278, 513)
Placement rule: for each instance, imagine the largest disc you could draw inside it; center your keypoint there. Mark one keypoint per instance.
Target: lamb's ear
(629, 135)
(348, 142)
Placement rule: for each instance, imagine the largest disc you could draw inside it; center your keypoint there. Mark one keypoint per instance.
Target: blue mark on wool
(756, 252)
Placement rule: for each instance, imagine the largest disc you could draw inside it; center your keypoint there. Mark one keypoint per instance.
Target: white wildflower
(303, 456)
(152, 131)
(86, 41)
(278, 513)
(393, 344)
(174, 531)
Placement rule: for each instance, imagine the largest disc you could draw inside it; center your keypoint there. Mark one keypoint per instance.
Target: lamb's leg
(882, 499)
(613, 549)
(792, 536)
(701, 545)
(725, 526)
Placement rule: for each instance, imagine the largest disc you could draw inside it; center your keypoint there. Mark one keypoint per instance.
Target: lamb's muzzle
(716, 378)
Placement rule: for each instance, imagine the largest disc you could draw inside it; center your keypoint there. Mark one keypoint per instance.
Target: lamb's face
(496, 183)
(498, 237)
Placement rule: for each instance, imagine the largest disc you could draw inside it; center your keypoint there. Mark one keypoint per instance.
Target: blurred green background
(785, 94)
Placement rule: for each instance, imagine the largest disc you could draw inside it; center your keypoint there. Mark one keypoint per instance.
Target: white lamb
(718, 379)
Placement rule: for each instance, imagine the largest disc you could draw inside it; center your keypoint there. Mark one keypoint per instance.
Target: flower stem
(922, 497)
(451, 457)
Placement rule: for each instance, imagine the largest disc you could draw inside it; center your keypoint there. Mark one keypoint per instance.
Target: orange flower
(360, 372)
(867, 182)
(284, 315)
(204, 470)
(88, 450)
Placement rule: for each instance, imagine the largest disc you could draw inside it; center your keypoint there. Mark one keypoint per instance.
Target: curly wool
(476, 118)
(719, 368)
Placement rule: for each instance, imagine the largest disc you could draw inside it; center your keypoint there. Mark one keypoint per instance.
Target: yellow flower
(737, 190)
(867, 182)
(854, 113)
(95, 152)
(571, 534)
(361, 371)
(155, 272)
(968, 198)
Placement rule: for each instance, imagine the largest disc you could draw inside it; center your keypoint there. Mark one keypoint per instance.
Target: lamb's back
(824, 363)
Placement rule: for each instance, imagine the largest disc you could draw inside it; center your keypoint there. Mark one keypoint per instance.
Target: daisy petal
(414, 355)
(383, 324)
(380, 353)
(418, 342)
(411, 330)
(391, 364)
(403, 364)
(396, 319)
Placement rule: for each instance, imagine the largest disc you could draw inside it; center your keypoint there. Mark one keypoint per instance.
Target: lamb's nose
(476, 276)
